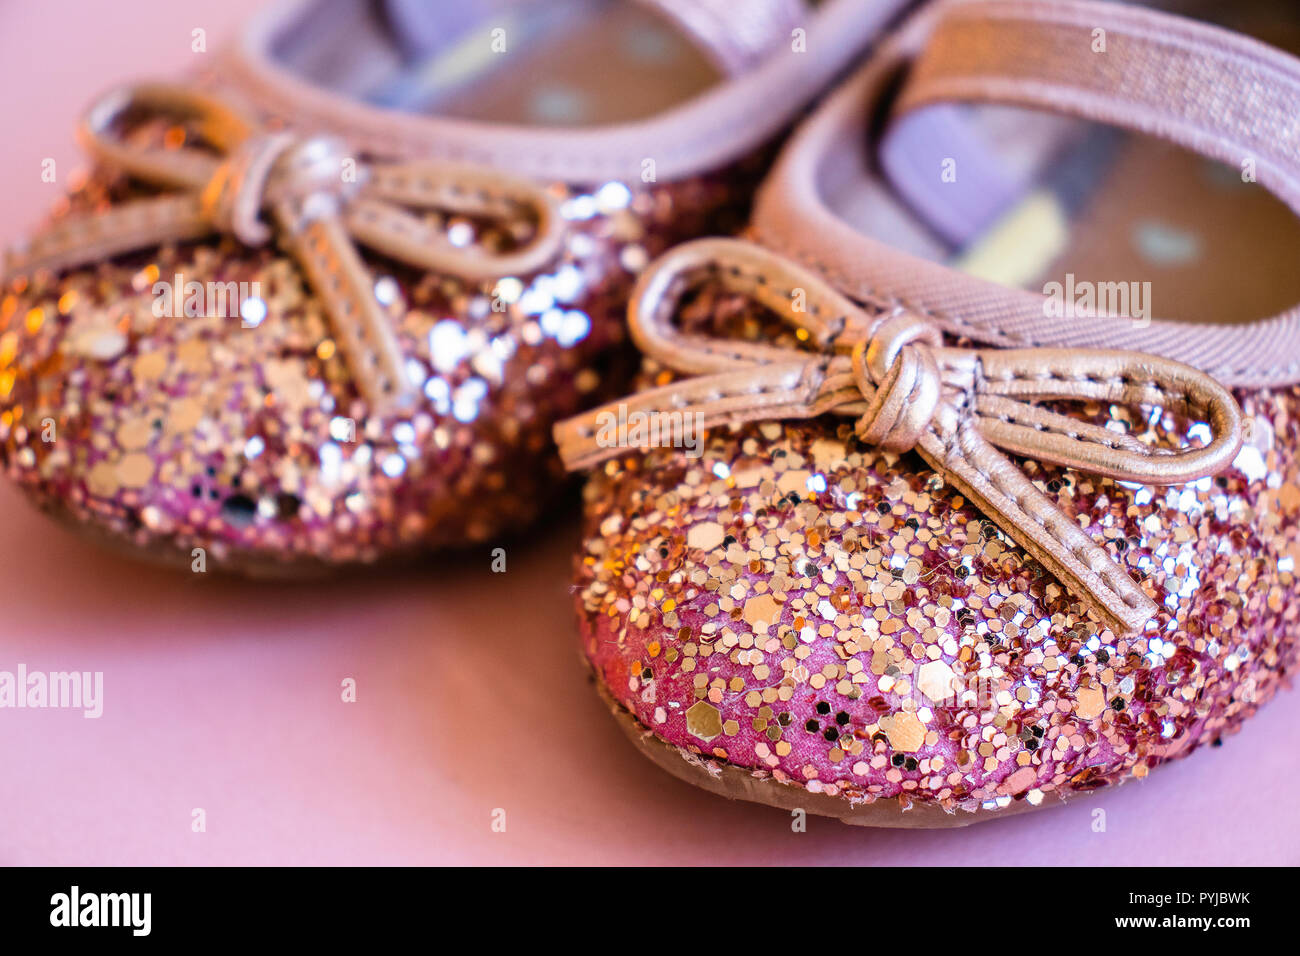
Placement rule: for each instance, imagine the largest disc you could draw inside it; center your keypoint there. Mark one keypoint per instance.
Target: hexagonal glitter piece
(761, 609)
(906, 733)
(1021, 780)
(935, 681)
(795, 481)
(707, 535)
(703, 720)
(1089, 703)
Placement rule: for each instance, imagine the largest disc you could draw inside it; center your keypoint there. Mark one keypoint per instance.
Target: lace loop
(255, 184)
(910, 392)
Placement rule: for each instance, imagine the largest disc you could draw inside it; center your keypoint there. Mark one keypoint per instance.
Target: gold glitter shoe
(908, 547)
(291, 320)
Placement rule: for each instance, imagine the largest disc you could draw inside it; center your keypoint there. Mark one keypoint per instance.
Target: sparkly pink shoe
(909, 547)
(326, 306)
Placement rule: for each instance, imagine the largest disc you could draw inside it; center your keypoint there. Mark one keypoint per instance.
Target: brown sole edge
(735, 783)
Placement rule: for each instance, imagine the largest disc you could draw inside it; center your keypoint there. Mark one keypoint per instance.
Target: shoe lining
(1185, 237)
(571, 63)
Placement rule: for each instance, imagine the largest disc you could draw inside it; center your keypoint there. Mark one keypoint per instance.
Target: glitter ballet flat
(324, 306)
(891, 542)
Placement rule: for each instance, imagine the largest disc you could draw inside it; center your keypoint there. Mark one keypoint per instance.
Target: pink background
(225, 695)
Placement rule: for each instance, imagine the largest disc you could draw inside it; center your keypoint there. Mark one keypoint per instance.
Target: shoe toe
(238, 430)
(823, 614)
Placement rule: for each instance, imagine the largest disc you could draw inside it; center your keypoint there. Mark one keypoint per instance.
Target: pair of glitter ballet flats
(883, 534)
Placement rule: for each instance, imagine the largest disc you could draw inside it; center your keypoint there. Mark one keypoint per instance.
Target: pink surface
(225, 695)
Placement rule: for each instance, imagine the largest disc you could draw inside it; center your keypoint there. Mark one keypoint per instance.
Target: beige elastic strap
(698, 135)
(317, 198)
(735, 34)
(1223, 95)
(908, 391)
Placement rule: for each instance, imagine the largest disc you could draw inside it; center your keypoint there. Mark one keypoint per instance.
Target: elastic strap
(1222, 95)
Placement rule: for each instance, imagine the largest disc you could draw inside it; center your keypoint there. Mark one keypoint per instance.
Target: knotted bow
(908, 391)
(318, 200)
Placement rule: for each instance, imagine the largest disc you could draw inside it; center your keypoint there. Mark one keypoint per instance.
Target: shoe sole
(736, 783)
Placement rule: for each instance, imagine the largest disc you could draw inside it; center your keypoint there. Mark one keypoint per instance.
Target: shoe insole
(557, 63)
(1213, 247)
(1183, 237)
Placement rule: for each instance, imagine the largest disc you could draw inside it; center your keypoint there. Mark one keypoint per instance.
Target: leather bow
(317, 198)
(908, 391)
